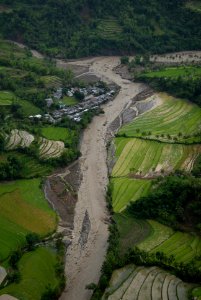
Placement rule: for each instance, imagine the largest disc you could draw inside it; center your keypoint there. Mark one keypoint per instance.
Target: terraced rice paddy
(50, 149)
(148, 158)
(19, 139)
(6, 98)
(173, 118)
(37, 269)
(183, 246)
(109, 28)
(51, 81)
(140, 283)
(18, 205)
(126, 190)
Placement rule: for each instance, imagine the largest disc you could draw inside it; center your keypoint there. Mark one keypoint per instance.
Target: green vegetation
(131, 230)
(109, 29)
(69, 100)
(182, 82)
(6, 98)
(172, 120)
(194, 5)
(18, 205)
(37, 272)
(77, 29)
(149, 158)
(56, 133)
(174, 200)
(126, 190)
(175, 72)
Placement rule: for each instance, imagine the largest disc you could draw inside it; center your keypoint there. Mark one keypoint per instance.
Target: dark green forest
(71, 28)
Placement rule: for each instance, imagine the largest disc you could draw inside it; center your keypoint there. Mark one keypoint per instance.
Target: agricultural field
(6, 98)
(31, 167)
(55, 133)
(126, 190)
(27, 108)
(131, 231)
(19, 139)
(51, 81)
(175, 72)
(50, 149)
(70, 101)
(141, 283)
(184, 246)
(18, 205)
(37, 269)
(47, 148)
(109, 28)
(148, 159)
(173, 120)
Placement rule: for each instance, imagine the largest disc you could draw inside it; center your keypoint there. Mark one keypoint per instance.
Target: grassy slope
(172, 117)
(37, 272)
(20, 202)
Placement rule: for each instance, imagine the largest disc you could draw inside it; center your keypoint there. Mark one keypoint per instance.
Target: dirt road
(86, 254)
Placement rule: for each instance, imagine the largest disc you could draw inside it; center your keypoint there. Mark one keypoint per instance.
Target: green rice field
(174, 72)
(37, 269)
(149, 158)
(18, 205)
(126, 190)
(55, 133)
(6, 98)
(172, 119)
(184, 246)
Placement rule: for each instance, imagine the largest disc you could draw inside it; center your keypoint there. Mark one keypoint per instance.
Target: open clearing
(55, 133)
(173, 118)
(146, 158)
(127, 190)
(18, 205)
(37, 269)
(140, 283)
(6, 98)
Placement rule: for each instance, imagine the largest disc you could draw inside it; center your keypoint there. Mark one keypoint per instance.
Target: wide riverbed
(83, 263)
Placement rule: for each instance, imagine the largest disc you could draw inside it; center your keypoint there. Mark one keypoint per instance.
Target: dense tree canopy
(86, 27)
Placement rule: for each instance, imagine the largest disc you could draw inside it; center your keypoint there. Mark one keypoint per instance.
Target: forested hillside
(89, 27)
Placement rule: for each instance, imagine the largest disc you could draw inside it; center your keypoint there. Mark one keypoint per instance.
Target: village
(88, 98)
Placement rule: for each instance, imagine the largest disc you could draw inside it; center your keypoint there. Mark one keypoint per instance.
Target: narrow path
(84, 261)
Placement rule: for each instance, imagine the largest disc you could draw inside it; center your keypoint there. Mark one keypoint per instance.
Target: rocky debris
(86, 226)
(3, 274)
(7, 297)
